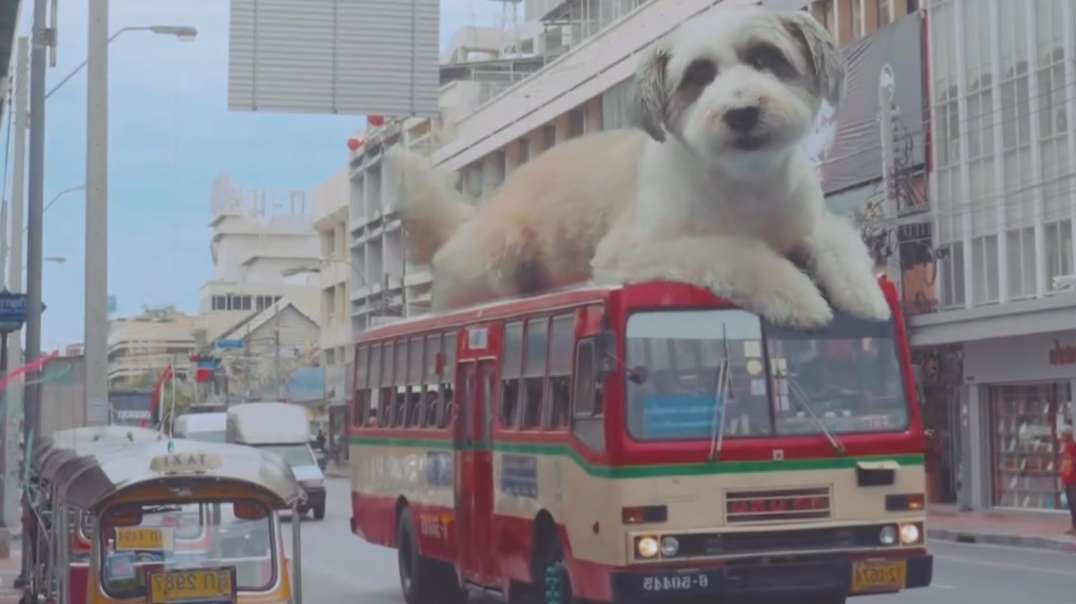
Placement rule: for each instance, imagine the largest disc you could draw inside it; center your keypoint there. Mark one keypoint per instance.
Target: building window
(984, 266)
(855, 12)
(220, 303)
(1020, 258)
(884, 16)
(952, 273)
(549, 136)
(577, 120)
(1058, 250)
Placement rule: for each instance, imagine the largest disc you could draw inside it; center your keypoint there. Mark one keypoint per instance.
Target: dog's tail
(430, 207)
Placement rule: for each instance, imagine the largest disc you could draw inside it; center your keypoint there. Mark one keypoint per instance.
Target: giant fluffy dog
(713, 189)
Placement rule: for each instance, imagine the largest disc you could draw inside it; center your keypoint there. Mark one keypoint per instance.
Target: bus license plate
(675, 583)
(211, 585)
(878, 576)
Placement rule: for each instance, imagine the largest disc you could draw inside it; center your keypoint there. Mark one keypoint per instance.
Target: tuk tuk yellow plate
(879, 576)
(145, 539)
(195, 585)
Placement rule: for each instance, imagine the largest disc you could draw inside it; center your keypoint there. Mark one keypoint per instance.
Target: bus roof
(573, 296)
(651, 293)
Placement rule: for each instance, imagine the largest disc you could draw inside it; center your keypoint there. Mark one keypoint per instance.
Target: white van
(284, 429)
(205, 427)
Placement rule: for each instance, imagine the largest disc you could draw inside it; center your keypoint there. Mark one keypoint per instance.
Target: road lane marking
(1003, 565)
(943, 586)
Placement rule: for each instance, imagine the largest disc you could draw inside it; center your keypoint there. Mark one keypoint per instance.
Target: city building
(330, 201)
(140, 347)
(257, 238)
(850, 20)
(259, 353)
(998, 347)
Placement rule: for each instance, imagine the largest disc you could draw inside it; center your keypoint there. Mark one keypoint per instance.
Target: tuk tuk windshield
(166, 537)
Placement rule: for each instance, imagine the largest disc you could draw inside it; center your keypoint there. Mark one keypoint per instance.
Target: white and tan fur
(736, 209)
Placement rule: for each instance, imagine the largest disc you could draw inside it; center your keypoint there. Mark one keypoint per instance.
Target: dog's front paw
(865, 301)
(798, 308)
(781, 294)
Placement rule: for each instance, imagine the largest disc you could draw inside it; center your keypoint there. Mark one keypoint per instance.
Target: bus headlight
(647, 547)
(888, 535)
(670, 546)
(909, 534)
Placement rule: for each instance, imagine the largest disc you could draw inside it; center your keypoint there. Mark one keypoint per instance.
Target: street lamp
(62, 193)
(182, 33)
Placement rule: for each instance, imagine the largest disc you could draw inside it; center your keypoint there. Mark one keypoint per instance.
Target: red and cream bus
(639, 442)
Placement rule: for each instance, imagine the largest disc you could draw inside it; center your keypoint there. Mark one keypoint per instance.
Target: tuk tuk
(182, 521)
(57, 457)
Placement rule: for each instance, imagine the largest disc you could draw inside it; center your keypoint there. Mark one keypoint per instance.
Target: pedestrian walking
(1068, 473)
(320, 440)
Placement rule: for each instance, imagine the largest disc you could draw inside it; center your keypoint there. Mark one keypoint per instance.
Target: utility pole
(276, 350)
(13, 396)
(35, 216)
(96, 311)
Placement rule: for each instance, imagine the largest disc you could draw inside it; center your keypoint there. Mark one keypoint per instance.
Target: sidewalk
(9, 569)
(1044, 530)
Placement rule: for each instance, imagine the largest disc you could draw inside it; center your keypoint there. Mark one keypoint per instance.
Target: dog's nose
(742, 119)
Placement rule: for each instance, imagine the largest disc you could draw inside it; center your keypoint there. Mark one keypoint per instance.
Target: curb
(957, 536)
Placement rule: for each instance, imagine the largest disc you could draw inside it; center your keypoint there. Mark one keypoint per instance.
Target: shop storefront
(1023, 387)
(941, 390)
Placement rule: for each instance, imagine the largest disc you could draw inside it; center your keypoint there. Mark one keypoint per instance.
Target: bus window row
(536, 373)
(405, 383)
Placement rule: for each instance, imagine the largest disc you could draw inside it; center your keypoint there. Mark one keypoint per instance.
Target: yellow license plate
(878, 576)
(213, 585)
(153, 539)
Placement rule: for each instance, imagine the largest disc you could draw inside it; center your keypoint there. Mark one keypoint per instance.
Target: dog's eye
(700, 73)
(766, 58)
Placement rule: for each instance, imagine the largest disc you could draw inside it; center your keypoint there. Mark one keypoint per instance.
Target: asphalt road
(338, 567)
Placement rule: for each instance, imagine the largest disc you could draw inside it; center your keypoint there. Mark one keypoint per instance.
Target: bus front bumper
(758, 581)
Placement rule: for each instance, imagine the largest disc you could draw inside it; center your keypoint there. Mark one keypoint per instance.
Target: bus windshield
(778, 381)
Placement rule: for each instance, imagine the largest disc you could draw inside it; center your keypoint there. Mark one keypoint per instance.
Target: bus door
(474, 458)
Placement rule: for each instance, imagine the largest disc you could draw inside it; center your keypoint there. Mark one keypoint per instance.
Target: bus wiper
(805, 402)
(717, 432)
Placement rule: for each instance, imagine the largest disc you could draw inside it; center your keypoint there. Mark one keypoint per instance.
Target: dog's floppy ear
(822, 54)
(652, 91)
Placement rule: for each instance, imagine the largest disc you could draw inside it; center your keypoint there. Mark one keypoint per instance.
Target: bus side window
(448, 400)
(511, 372)
(587, 397)
(534, 366)
(561, 344)
(400, 414)
(587, 405)
(387, 392)
(362, 395)
(415, 399)
(430, 380)
(373, 416)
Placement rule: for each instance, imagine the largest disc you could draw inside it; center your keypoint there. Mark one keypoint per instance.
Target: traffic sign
(233, 344)
(12, 311)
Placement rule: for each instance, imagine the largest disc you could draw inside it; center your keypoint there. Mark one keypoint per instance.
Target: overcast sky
(170, 134)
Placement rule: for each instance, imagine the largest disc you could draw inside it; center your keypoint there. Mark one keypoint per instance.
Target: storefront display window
(1026, 423)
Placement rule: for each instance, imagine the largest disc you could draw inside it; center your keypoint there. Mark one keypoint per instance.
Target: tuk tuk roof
(130, 468)
(61, 447)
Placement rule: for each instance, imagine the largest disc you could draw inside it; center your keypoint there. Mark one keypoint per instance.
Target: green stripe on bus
(650, 471)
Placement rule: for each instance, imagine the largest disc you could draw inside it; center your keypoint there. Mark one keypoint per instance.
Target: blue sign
(306, 384)
(519, 475)
(230, 344)
(12, 311)
(681, 416)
